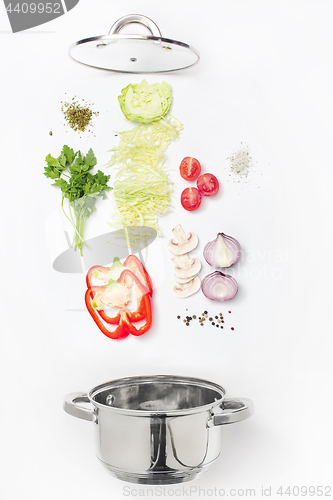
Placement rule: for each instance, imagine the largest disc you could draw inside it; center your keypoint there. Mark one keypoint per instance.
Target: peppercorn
(194, 316)
(210, 319)
(213, 323)
(187, 323)
(205, 312)
(178, 317)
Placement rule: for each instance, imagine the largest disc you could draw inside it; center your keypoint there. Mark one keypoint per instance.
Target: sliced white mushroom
(184, 280)
(183, 261)
(185, 290)
(182, 242)
(192, 269)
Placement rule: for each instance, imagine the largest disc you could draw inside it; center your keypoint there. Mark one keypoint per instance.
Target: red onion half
(223, 251)
(219, 286)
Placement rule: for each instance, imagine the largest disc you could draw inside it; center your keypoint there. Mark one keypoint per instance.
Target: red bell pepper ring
(132, 263)
(135, 265)
(100, 269)
(140, 312)
(103, 315)
(115, 334)
(100, 290)
(124, 317)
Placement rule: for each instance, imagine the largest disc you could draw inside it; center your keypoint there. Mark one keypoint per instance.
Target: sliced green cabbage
(145, 103)
(143, 190)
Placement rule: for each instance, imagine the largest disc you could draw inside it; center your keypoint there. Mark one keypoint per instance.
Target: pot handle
(233, 410)
(138, 19)
(72, 407)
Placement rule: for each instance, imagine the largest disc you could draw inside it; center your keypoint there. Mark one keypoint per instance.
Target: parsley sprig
(71, 172)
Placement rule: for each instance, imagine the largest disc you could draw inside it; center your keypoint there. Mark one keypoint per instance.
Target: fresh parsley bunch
(71, 172)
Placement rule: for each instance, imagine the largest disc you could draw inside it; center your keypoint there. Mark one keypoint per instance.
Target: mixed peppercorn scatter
(205, 319)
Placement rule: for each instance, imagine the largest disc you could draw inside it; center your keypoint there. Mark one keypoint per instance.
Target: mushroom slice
(185, 290)
(182, 281)
(183, 261)
(186, 267)
(182, 242)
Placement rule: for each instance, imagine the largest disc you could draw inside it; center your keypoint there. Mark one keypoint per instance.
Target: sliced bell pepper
(135, 265)
(140, 312)
(125, 317)
(116, 334)
(95, 269)
(132, 263)
(102, 270)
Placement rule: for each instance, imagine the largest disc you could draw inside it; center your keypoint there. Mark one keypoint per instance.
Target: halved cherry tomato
(208, 185)
(190, 168)
(190, 198)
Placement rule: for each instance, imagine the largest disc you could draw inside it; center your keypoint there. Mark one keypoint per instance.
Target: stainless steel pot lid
(131, 53)
(157, 393)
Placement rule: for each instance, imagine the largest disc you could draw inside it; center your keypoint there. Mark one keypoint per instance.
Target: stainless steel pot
(158, 429)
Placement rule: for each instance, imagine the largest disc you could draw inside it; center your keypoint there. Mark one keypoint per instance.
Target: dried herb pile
(78, 116)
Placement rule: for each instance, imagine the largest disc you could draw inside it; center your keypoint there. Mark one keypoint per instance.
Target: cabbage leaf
(145, 103)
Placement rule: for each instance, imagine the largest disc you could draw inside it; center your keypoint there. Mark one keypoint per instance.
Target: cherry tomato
(190, 168)
(207, 184)
(190, 199)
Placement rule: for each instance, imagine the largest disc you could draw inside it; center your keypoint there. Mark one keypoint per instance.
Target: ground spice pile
(78, 116)
(240, 163)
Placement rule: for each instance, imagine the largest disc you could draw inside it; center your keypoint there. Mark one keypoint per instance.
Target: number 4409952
(311, 491)
(35, 8)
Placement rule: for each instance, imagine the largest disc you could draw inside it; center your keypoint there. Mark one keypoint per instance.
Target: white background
(265, 79)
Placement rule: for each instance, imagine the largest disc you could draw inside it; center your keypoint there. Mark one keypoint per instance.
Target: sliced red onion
(219, 286)
(223, 251)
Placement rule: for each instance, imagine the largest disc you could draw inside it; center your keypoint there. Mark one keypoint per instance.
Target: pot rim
(146, 379)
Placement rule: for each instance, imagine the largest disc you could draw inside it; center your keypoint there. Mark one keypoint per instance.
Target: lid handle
(138, 19)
